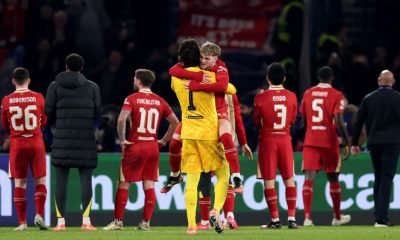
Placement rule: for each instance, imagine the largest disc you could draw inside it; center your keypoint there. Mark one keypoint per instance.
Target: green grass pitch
(177, 233)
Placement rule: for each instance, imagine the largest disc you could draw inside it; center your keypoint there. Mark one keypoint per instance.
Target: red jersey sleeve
(43, 117)
(180, 72)
(294, 115)
(338, 104)
(256, 114)
(166, 109)
(239, 127)
(4, 118)
(128, 104)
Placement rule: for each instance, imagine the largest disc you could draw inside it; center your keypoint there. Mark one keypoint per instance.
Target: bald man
(380, 111)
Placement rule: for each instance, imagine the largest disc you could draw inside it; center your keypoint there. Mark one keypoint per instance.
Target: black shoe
(237, 185)
(272, 225)
(292, 224)
(172, 181)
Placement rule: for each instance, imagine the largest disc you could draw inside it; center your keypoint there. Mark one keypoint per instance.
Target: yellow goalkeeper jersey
(199, 116)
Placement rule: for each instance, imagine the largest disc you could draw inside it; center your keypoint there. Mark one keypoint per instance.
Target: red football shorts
(140, 162)
(24, 151)
(316, 158)
(275, 152)
(178, 129)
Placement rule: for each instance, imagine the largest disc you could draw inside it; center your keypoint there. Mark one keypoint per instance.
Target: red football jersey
(275, 110)
(320, 104)
(22, 112)
(147, 111)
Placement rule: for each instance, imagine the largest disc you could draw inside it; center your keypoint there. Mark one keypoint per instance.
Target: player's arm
(4, 119)
(357, 128)
(97, 99)
(180, 72)
(43, 116)
(220, 86)
(121, 128)
(239, 127)
(343, 133)
(173, 124)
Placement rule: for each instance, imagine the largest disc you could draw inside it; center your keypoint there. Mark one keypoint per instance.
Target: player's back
(147, 110)
(199, 116)
(277, 110)
(23, 111)
(320, 104)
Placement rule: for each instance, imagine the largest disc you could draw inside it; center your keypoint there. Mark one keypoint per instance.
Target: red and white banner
(229, 23)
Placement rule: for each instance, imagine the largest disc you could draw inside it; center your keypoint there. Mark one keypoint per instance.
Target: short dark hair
(20, 75)
(325, 74)
(74, 62)
(145, 76)
(189, 53)
(276, 73)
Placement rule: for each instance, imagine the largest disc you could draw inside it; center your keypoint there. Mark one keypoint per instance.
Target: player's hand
(124, 144)
(206, 78)
(247, 151)
(161, 143)
(346, 152)
(355, 150)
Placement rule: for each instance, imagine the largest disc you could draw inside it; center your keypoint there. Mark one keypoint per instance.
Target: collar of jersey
(324, 85)
(145, 90)
(276, 87)
(21, 90)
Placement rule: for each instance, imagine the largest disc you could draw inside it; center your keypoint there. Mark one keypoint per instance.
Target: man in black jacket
(380, 110)
(74, 102)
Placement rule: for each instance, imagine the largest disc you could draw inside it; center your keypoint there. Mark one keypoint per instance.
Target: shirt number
(316, 107)
(26, 114)
(281, 112)
(148, 120)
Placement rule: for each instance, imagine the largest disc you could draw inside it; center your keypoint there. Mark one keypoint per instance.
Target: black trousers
(62, 175)
(384, 160)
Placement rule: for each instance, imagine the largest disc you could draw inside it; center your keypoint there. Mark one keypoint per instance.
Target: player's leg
(40, 200)
(85, 175)
(192, 182)
(220, 191)
(38, 167)
(18, 169)
(229, 207)
(62, 175)
(231, 153)
(204, 189)
(286, 168)
(121, 198)
(149, 204)
(175, 157)
(332, 162)
(272, 202)
(311, 164)
(20, 202)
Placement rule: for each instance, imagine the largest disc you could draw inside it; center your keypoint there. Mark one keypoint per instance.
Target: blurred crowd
(115, 38)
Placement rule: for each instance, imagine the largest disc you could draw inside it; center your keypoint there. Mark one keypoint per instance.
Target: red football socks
(175, 147)
(40, 198)
(291, 198)
(229, 205)
(307, 198)
(336, 195)
(205, 203)
(231, 153)
(20, 204)
(272, 202)
(120, 202)
(149, 203)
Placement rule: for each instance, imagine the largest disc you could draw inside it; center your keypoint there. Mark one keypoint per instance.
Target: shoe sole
(41, 225)
(217, 226)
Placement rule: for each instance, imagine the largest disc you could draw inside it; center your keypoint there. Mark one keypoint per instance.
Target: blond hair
(209, 48)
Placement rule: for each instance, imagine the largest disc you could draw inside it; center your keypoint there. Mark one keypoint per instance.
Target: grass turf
(177, 233)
